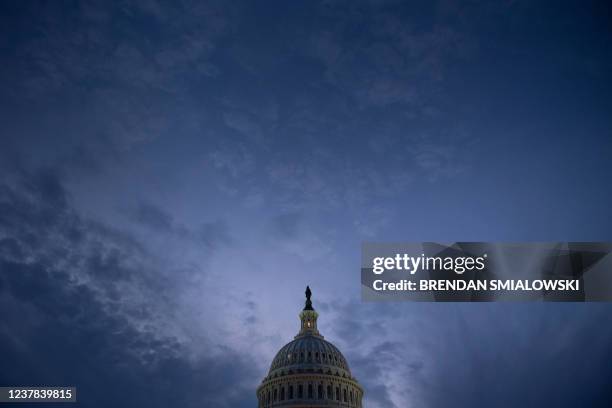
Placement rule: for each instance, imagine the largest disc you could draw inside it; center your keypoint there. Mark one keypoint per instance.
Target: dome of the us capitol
(309, 371)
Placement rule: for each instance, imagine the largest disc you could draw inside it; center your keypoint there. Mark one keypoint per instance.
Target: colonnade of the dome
(309, 390)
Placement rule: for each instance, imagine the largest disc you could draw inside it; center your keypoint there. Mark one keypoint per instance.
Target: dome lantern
(308, 317)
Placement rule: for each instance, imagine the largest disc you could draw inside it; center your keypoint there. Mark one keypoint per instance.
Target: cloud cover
(174, 174)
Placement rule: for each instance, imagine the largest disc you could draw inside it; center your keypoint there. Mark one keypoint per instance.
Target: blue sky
(175, 173)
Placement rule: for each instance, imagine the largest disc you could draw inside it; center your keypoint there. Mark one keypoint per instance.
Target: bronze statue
(308, 302)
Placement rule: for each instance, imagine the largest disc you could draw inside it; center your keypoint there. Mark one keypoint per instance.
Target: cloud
(85, 306)
(287, 225)
(244, 124)
(436, 355)
(210, 234)
(397, 62)
(235, 159)
(153, 217)
(111, 81)
(55, 332)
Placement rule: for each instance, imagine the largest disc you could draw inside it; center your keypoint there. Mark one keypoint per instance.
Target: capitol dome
(309, 371)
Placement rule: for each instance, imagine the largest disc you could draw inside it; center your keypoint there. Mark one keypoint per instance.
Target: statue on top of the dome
(308, 302)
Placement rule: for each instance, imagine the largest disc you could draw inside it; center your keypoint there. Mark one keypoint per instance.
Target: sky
(173, 174)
